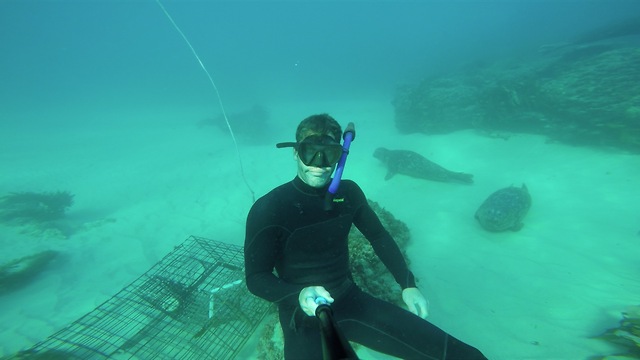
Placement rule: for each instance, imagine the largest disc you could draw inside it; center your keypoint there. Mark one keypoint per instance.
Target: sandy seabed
(141, 189)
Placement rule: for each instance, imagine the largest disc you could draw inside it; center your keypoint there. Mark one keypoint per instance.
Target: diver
(290, 231)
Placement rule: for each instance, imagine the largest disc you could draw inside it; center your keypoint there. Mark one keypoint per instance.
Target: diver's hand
(307, 298)
(416, 302)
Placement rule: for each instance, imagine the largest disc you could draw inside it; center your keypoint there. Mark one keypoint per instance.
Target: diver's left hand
(416, 302)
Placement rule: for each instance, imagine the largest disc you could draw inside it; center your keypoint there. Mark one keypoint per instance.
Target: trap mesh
(193, 304)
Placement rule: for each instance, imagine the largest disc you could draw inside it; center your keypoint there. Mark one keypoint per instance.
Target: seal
(504, 209)
(412, 164)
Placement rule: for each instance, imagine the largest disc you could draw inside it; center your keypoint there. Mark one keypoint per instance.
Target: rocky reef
(584, 93)
(368, 272)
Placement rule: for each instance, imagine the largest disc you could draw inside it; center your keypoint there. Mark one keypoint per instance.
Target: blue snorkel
(348, 136)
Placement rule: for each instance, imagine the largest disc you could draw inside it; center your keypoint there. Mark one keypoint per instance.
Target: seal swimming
(415, 165)
(504, 209)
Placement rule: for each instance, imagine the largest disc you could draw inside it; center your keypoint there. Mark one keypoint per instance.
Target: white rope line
(224, 114)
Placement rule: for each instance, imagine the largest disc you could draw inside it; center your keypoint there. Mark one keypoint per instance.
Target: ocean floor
(147, 182)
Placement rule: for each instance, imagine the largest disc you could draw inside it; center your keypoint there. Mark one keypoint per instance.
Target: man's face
(311, 175)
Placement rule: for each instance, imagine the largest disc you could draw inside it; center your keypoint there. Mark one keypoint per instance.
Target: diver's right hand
(307, 298)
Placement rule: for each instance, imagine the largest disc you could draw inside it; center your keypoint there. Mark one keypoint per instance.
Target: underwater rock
(594, 99)
(18, 273)
(271, 342)
(626, 334)
(367, 269)
(436, 106)
(584, 93)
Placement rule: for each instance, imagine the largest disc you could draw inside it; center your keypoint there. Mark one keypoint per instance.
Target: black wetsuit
(289, 231)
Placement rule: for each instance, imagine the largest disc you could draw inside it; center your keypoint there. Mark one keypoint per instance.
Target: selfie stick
(348, 136)
(334, 344)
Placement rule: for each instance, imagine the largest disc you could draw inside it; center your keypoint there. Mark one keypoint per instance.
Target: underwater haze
(114, 148)
(107, 55)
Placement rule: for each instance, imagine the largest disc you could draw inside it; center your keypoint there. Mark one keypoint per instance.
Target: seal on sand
(415, 165)
(504, 209)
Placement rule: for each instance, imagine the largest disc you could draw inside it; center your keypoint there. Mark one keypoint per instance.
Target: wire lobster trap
(193, 304)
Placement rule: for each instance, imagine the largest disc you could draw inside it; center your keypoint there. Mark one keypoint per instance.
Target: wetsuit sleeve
(261, 250)
(383, 244)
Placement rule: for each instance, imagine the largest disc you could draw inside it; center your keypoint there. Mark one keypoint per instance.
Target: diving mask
(316, 150)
